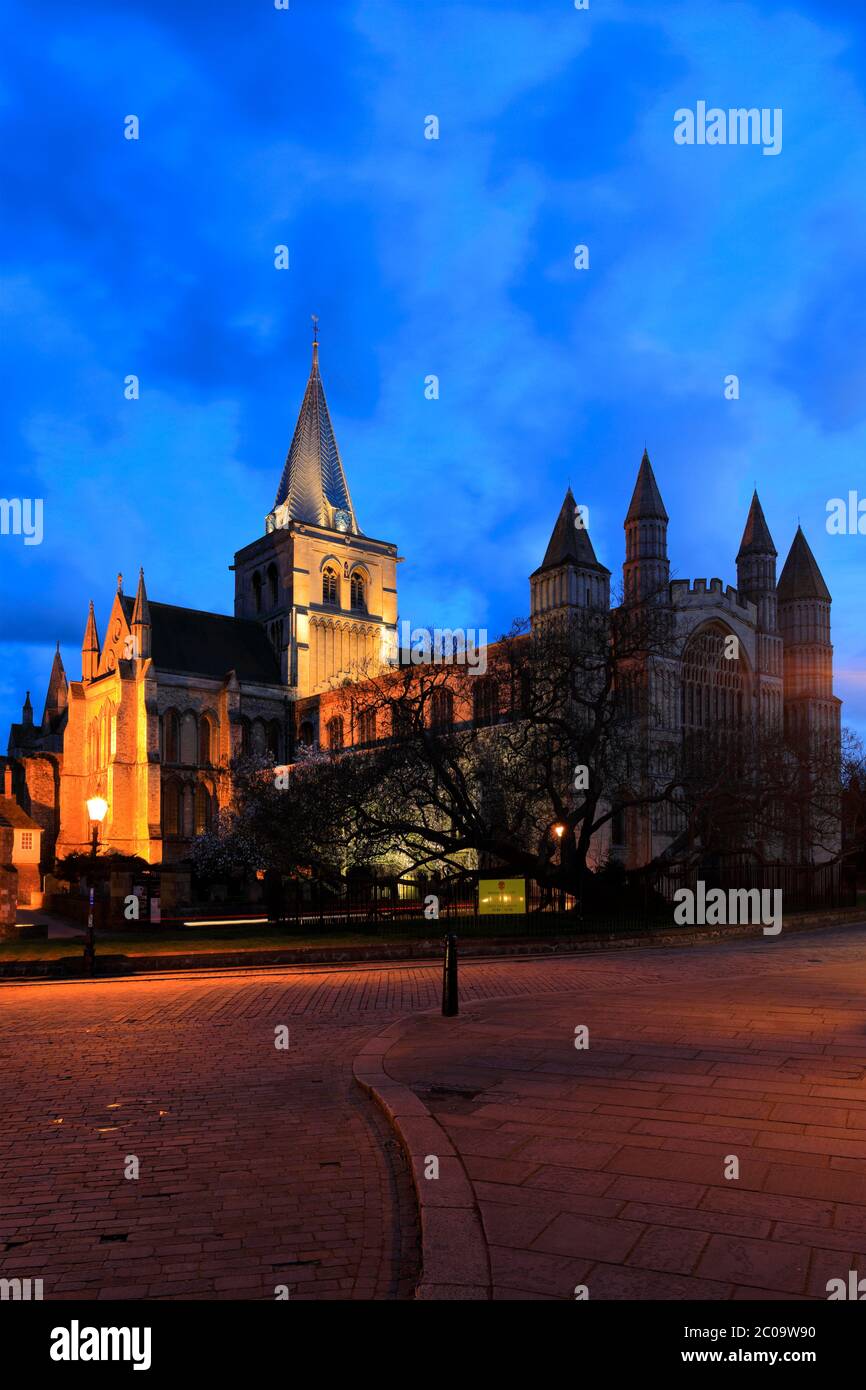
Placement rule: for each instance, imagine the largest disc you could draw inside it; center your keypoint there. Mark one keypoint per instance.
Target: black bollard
(89, 942)
(449, 977)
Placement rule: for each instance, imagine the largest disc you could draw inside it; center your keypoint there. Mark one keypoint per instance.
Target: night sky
(452, 257)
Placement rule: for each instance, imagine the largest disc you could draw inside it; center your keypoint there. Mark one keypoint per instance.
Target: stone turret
(90, 648)
(569, 578)
(646, 572)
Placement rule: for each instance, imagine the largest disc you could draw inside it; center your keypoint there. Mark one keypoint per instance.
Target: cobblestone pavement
(261, 1167)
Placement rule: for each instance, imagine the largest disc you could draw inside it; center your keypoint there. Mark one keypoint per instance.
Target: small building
(20, 842)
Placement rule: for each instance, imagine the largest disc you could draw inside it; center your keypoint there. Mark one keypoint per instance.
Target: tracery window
(330, 586)
(359, 593)
(713, 684)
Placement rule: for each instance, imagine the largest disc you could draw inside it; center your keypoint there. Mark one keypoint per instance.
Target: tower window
(257, 592)
(359, 593)
(329, 586)
(273, 585)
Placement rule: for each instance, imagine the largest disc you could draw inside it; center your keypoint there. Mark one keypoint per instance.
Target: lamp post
(96, 809)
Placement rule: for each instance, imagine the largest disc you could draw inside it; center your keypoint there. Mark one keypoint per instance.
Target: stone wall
(8, 900)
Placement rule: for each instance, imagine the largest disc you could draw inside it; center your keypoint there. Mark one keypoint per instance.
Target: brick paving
(261, 1167)
(258, 1167)
(606, 1167)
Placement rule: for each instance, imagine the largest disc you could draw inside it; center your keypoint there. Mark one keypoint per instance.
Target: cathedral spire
(801, 577)
(58, 691)
(141, 621)
(646, 500)
(756, 537)
(646, 572)
(90, 648)
(313, 486)
(756, 582)
(27, 711)
(569, 577)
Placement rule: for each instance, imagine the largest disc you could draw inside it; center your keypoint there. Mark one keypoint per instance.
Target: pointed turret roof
(569, 543)
(141, 609)
(58, 690)
(646, 500)
(756, 537)
(801, 577)
(313, 483)
(90, 641)
(27, 710)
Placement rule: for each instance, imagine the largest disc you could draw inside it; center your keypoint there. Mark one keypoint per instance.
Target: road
(263, 1168)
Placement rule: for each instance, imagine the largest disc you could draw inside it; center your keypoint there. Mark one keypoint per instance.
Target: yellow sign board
(501, 895)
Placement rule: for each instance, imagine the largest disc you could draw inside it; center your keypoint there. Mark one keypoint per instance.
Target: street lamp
(96, 809)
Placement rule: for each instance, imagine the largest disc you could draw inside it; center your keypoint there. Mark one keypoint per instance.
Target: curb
(455, 1263)
(68, 968)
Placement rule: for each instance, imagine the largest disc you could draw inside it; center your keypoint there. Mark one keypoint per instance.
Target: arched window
(330, 586)
(259, 736)
(712, 684)
(246, 738)
(203, 809)
(335, 733)
(306, 733)
(402, 719)
(367, 726)
(171, 809)
(257, 592)
(485, 701)
(359, 593)
(273, 585)
(189, 739)
(205, 741)
(171, 736)
(273, 733)
(617, 828)
(442, 708)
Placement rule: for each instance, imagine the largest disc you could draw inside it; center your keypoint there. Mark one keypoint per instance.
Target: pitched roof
(313, 474)
(646, 500)
(801, 577)
(208, 644)
(569, 543)
(11, 815)
(756, 537)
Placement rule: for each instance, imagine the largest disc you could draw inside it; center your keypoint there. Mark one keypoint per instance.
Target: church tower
(646, 571)
(804, 619)
(569, 579)
(325, 593)
(756, 582)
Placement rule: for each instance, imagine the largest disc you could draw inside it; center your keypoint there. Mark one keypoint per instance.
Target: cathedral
(167, 695)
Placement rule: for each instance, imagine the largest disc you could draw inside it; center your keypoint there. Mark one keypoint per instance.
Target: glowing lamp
(96, 808)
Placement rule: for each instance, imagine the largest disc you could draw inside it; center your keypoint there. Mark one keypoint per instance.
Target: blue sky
(455, 257)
